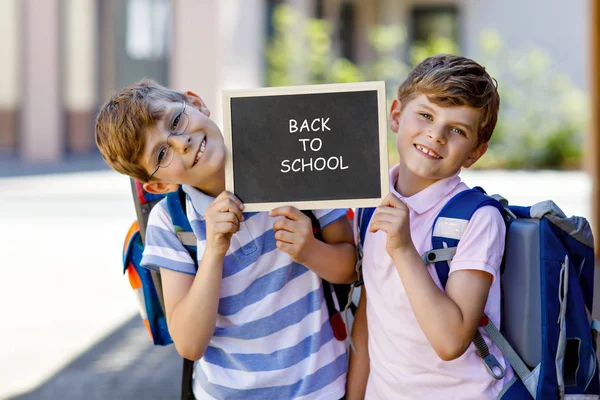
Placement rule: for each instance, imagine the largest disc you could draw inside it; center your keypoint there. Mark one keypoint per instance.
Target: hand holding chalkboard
(294, 233)
(321, 146)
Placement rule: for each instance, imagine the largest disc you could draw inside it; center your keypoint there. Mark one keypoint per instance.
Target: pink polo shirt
(403, 365)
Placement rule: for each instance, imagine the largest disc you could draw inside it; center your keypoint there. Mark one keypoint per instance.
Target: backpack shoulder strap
(143, 202)
(340, 290)
(448, 228)
(183, 229)
(364, 217)
(450, 224)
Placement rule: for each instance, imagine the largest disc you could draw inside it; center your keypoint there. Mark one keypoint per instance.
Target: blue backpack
(547, 279)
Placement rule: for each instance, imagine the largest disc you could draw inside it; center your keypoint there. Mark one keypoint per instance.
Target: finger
(226, 227)
(383, 225)
(285, 224)
(392, 201)
(229, 205)
(285, 236)
(226, 217)
(228, 195)
(285, 247)
(289, 212)
(390, 212)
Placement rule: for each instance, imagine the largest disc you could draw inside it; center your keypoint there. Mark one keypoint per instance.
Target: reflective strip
(187, 238)
(563, 289)
(532, 380)
(139, 296)
(451, 228)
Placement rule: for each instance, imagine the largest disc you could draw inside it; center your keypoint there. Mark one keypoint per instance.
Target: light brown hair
(122, 122)
(450, 81)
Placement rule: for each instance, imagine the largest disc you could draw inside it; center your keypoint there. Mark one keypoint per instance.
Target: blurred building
(61, 59)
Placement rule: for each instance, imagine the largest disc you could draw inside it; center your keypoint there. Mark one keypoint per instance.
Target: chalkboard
(313, 147)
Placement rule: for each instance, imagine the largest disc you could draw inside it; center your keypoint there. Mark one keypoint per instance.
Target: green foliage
(300, 52)
(421, 50)
(542, 115)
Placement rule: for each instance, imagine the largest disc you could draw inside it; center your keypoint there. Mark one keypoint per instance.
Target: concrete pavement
(69, 326)
(62, 291)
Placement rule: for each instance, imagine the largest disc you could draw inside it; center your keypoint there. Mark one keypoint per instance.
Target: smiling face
(197, 156)
(433, 142)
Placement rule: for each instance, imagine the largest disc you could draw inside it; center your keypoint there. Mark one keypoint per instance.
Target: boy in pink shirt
(417, 343)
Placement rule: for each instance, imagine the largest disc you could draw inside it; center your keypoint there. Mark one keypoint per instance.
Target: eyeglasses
(165, 153)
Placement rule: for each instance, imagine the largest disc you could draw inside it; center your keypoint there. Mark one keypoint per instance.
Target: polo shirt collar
(427, 198)
(200, 200)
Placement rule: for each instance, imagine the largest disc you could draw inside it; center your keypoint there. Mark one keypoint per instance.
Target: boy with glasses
(253, 313)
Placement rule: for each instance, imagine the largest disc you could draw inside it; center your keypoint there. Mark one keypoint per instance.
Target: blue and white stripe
(272, 339)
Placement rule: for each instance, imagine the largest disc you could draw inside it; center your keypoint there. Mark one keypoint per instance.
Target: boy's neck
(409, 184)
(214, 188)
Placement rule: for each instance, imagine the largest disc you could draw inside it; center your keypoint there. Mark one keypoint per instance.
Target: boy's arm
(449, 319)
(191, 304)
(333, 259)
(191, 301)
(358, 372)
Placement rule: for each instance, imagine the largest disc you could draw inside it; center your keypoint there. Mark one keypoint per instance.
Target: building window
(147, 26)
(347, 31)
(429, 23)
(270, 8)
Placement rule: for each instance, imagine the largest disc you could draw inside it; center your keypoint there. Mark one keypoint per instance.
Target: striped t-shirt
(272, 338)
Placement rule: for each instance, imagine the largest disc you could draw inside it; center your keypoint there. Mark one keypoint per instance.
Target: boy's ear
(196, 101)
(475, 155)
(160, 187)
(395, 111)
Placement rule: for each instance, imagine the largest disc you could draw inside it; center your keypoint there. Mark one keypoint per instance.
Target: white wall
(217, 45)
(10, 20)
(41, 136)
(79, 63)
(561, 27)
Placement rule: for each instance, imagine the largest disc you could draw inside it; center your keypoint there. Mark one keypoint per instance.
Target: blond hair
(122, 122)
(450, 81)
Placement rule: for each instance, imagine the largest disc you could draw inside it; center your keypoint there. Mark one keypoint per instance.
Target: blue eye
(162, 152)
(175, 122)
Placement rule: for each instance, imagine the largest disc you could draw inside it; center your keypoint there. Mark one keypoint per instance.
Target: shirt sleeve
(162, 247)
(326, 217)
(482, 244)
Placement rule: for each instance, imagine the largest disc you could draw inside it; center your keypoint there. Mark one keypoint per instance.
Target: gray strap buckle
(433, 256)
(491, 363)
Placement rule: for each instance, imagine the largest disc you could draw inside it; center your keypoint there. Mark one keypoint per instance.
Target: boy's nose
(437, 134)
(181, 143)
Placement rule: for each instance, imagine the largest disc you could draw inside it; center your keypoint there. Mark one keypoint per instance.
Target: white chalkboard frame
(378, 86)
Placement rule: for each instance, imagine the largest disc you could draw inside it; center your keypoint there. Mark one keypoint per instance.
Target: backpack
(547, 278)
(146, 283)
